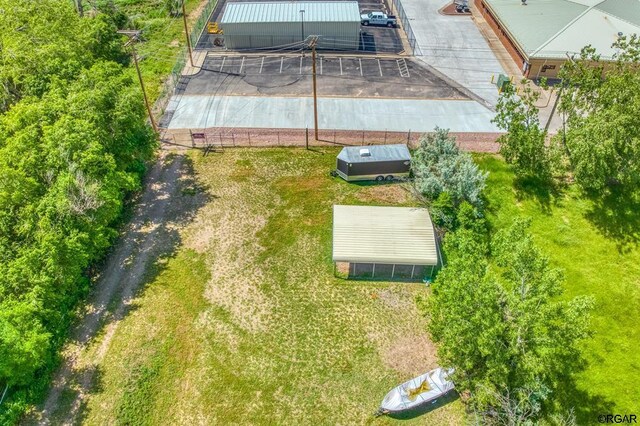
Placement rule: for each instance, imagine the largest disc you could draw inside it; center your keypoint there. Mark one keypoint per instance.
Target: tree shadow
(425, 408)
(585, 406)
(546, 192)
(616, 214)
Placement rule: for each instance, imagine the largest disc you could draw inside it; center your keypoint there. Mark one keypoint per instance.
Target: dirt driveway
(150, 234)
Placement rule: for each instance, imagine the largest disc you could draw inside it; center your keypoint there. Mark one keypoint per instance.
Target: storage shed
(372, 242)
(379, 162)
(259, 25)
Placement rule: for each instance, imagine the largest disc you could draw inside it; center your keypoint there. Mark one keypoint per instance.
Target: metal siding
(258, 25)
(380, 168)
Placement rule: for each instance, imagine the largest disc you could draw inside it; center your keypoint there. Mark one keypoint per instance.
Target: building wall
(502, 34)
(545, 68)
(335, 35)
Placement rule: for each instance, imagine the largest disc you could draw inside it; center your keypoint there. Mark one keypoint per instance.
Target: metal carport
(384, 242)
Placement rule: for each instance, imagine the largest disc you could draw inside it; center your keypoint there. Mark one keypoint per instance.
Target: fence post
(307, 137)
(362, 137)
(221, 144)
(278, 137)
(249, 137)
(233, 137)
(408, 138)
(334, 136)
(385, 136)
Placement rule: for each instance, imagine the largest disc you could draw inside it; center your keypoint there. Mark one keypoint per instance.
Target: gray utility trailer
(376, 162)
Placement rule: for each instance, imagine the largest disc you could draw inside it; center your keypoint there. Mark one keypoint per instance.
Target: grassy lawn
(246, 322)
(597, 252)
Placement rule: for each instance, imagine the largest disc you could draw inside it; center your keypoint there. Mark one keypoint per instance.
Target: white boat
(421, 390)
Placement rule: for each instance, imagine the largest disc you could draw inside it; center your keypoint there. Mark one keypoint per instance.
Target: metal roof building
(540, 34)
(263, 25)
(384, 242)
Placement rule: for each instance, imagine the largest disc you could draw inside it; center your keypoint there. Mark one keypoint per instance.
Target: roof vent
(524, 2)
(364, 152)
(620, 34)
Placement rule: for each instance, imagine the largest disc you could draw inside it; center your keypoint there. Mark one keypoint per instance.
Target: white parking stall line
(222, 64)
(360, 62)
(321, 65)
(281, 63)
(241, 65)
(261, 65)
(300, 65)
(379, 67)
(340, 59)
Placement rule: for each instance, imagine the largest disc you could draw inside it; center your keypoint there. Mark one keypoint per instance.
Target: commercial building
(541, 35)
(391, 243)
(266, 25)
(379, 162)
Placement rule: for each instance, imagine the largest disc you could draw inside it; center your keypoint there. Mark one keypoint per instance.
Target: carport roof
(265, 12)
(553, 28)
(390, 235)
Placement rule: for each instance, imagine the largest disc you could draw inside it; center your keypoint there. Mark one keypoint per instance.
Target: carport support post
(306, 131)
(186, 33)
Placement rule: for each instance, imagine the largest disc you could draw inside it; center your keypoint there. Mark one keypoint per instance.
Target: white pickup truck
(378, 18)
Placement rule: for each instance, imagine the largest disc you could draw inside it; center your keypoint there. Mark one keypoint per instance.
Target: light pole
(302, 22)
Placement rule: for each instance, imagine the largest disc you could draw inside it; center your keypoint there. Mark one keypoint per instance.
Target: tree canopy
(498, 319)
(602, 102)
(446, 176)
(73, 143)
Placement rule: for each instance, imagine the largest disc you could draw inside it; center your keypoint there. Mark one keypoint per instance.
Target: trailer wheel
(365, 23)
(379, 178)
(389, 178)
(390, 24)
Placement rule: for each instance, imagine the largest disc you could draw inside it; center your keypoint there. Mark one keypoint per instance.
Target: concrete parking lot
(291, 75)
(373, 39)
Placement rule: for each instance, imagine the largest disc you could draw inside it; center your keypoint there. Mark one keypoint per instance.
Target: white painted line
(281, 63)
(261, 64)
(320, 64)
(379, 67)
(399, 69)
(241, 65)
(222, 64)
(300, 65)
(340, 58)
(360, 62)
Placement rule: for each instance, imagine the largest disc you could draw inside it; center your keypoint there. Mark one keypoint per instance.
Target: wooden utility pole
(133, 37)
(186, 33)
(312, 44)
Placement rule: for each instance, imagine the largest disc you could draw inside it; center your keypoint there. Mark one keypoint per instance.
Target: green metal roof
(628, 10)
(552, 28)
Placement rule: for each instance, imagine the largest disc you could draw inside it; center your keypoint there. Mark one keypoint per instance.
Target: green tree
(523, 145)
(499, 321)
(445, 176)
(603, 131)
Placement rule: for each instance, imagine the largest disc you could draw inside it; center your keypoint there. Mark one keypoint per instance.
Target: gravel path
(148, 236)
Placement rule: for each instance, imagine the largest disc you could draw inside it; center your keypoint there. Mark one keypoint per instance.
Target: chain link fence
(215, 139)
(402, 16)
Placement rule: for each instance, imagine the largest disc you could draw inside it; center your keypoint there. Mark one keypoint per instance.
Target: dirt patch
(410, 355)
(385, 194)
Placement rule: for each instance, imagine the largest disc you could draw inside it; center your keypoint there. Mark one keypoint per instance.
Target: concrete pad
(398, 115)
(454, 46)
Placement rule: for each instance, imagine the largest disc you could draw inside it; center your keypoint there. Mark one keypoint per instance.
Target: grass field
(246, 324)
(597, 248)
